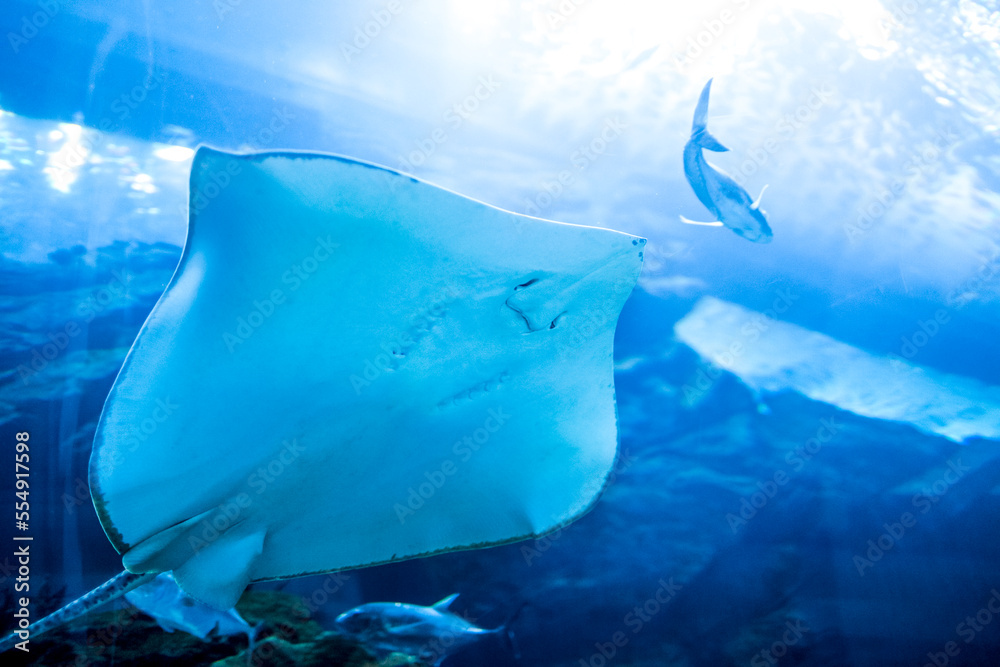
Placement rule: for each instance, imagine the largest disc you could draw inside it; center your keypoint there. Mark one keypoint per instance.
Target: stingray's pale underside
(350, 367)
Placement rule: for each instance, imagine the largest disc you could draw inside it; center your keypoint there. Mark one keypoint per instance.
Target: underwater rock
(127, 637)
(771, 356)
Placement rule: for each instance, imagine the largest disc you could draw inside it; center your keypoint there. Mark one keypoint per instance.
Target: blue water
(750, 521)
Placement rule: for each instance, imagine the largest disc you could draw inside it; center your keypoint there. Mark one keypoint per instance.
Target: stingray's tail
(115, 587)
(699, 126)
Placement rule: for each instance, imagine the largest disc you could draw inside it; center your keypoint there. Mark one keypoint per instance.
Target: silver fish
(730, 203)
(173, 610)
(429, 633)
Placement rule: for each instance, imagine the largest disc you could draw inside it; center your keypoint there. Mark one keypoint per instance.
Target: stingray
(350, 367)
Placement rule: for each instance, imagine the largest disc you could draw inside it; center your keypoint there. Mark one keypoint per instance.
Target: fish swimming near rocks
(158, 596)
(429, 633)
(173, 609)
(724, 197)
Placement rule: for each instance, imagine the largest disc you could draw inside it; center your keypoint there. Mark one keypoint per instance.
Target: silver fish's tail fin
(699, 127)
(508, 635)
(252, 634)
(706, 140)
(115, 587)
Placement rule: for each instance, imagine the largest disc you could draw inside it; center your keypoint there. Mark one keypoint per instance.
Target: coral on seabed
(126, 637)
